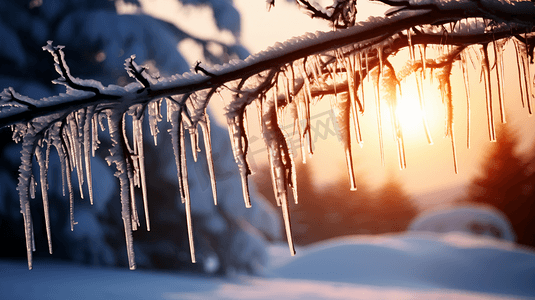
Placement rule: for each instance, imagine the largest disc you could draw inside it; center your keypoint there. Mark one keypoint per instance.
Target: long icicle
(445, 87)
(187, 202)
(205, 128)
(130, 171)
(117, 156)
(520, 69)
(307, 100)
(43, 176)
(239, 141)
(25, 171)
(353, 98)
(498, 54)
(378, 104)
(297, 102)
(419, 75)
(138, 133)
(361, 79)
(76, 142)
(178, 140)
(390, 84)
(467, 93)
(87, 136)
(175, 116)
(281, 163)
(527, 75)
(488, 92)
(341, 109)
(68, 177)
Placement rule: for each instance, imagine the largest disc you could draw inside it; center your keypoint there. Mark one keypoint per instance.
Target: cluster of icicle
(75, 138)
(290, 87)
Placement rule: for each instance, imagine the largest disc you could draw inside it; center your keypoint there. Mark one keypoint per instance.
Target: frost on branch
(286, 79)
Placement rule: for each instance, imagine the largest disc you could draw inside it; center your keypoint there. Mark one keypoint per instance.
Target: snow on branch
(290, 75)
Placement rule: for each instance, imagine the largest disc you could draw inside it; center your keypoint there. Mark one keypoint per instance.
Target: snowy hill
(408, 266)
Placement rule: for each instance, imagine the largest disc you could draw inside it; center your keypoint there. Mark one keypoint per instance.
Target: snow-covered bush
(473, 219)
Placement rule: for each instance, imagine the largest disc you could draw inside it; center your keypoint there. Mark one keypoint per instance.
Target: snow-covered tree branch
(290, 75)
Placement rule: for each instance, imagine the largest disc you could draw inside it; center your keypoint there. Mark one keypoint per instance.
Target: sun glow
(410, 112)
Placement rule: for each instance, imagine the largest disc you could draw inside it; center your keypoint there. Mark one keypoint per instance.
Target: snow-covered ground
(406, 266)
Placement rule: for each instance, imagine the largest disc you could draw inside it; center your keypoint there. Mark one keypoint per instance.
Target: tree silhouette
(325, 211)
(292, 76)
(331, 209)
(507, 183)
(393, 208)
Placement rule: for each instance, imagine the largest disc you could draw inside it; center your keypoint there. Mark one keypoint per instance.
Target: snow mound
(418, 261)
(480, 220)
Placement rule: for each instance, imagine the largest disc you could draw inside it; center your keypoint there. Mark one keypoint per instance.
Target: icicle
(95, 142)
(131, 163)
(352, 88)
(76, 145)
(154, 118)
(411, 46)
(423, 56)
(33, 235)
(488, 92)
(87, 149)
(467, 93)
(43, 175)
(341, 110)
(421, 99)
(302, 132)
(306, 99)
(297, 99)
(25, 171)
(80, 118)
(367, 68)
(520, 68)
(176, 118)
(240, 146)
(281, 163)
(445, 88)
(194, 141)
(187, 202)
(205, 128)
(315, 73)
(286, 85)
(361, 80)
(138, 141)
(33, 184)
(62, 147)
(116, 156)
(390, 84)
(498, 53)
(379, 72)
(308, 102)
(524, 72)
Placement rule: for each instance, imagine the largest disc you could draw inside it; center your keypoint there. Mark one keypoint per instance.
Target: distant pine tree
(333, 210)
(393, 209)
(507, 183)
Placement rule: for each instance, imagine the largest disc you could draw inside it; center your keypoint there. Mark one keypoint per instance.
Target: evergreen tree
(332, 210)
(393, 208)
(502, 168)
(99, 40)
(507, 183)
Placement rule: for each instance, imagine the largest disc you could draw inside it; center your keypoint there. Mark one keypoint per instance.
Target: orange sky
(429, 167)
